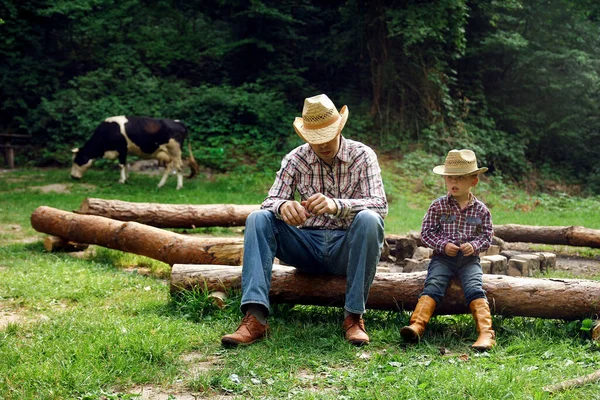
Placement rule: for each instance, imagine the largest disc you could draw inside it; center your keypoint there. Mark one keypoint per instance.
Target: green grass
(89, 329)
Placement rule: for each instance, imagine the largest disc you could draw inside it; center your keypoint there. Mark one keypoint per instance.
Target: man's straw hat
(460, 162)
(321, 121)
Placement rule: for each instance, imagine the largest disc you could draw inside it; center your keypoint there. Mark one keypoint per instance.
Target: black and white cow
(115, 137)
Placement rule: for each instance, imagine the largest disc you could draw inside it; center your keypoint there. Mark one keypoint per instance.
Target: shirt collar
(451, 199)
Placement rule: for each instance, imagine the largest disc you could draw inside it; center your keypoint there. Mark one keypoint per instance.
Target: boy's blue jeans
(354, 253)
(442, 268)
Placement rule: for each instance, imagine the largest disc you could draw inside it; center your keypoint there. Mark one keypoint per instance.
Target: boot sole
(408, 334)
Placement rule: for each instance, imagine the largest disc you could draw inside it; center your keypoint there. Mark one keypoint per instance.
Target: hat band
(464, 170)
(332, 120)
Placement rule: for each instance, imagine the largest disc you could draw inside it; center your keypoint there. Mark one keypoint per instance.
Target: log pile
(214, 262)
(70, 229)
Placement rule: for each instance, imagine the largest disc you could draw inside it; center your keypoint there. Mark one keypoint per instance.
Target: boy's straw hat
(460, 162)
(321, 121)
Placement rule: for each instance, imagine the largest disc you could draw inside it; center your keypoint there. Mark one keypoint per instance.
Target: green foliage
(516, 81)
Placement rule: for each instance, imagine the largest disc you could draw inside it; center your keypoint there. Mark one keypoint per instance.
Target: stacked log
(133, 237)
(169, 215)
(509, 296)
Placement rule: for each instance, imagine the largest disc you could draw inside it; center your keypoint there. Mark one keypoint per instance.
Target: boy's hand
(293, 213)
(451, 249)
(467, 249)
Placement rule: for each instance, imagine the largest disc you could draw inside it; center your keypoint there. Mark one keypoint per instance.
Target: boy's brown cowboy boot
(419, 319)
(354, 328)
(249, 331)
(483, 319)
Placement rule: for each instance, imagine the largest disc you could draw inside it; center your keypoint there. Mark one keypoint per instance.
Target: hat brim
(441, 170)
(321, 135)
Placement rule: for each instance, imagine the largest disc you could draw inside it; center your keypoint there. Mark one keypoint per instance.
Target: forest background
(515, 80)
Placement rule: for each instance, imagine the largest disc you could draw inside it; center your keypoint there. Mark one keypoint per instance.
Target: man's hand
(293, 213)
(451, 249)
(467, 249)
(319, 204)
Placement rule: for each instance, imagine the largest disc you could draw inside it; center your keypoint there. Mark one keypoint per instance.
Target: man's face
(326, 151)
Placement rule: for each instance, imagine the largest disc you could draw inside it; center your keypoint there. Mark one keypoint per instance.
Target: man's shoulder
(301, 151)
(358, 149)
(300, 157)
(355, 144)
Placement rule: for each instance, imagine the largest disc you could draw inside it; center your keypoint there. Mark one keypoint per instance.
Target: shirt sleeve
(483, 241)
(431, 233)
(371, 186)
(283, 188)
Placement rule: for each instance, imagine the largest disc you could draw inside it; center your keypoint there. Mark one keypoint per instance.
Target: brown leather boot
(249, 331)
(354, 328)
(419, 319)
(483, 319)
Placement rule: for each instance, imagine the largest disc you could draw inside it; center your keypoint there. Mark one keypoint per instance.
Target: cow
(116, 137)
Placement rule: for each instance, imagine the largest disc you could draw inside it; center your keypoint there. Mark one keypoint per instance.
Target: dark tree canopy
(515, 80)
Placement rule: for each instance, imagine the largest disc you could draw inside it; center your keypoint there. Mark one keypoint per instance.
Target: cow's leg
(123, 166)
(179, 180)
(174, 149)
(165, 175)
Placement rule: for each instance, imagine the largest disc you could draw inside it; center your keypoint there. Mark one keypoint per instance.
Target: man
(337, 227)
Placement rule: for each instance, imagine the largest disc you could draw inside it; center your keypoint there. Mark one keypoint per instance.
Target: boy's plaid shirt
(445, 222)
(353, 181)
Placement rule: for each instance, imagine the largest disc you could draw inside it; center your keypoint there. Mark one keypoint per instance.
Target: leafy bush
(228, 126)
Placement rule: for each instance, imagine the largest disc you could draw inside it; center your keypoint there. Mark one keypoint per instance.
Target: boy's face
(460, 186)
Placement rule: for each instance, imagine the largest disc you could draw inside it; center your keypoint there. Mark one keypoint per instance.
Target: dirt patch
(197, 363)
(149, 392)
(53, 188)
(59, 187)
(11, 228)
(9, 317)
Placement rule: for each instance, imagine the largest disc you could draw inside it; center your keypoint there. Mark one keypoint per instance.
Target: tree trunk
(529, 297)
(169, 215)
(137, 238)
(566, 235)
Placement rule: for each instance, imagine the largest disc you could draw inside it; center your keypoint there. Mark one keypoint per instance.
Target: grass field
(105, 326)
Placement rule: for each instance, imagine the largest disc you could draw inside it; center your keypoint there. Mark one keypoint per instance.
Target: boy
(457, 227)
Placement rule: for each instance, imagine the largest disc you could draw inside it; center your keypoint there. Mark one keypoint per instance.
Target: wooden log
(565, 235)
(55, 244)
(133, 237)
(169, 215)
(528, 297)
(572, 383)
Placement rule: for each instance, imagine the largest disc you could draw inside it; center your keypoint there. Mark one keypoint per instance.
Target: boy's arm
(484, 240)
(431, 233)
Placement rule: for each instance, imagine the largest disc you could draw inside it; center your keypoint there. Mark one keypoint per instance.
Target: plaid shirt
(353, 181)
(445, 222)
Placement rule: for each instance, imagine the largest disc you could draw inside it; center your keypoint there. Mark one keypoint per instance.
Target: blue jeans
(354, 253)
(443, 268)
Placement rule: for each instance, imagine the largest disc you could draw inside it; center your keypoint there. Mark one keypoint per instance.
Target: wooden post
(10, 156)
